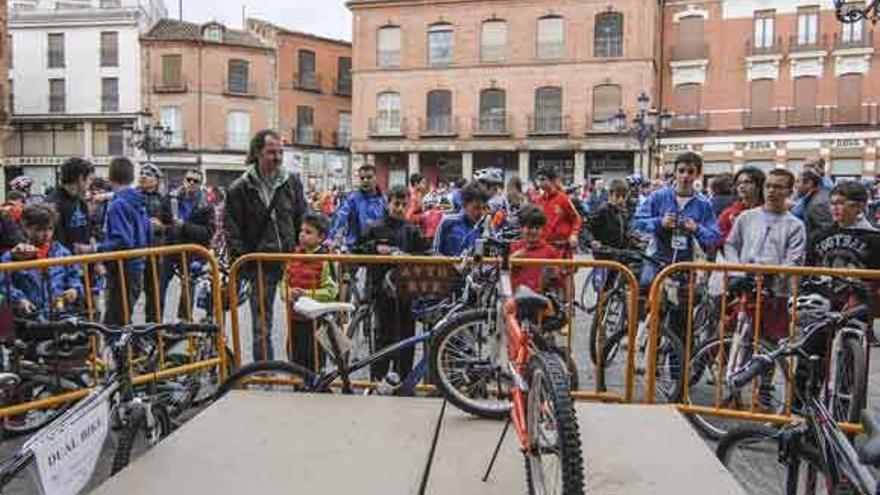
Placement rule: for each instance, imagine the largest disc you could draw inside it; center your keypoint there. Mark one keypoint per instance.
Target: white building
(75, 82)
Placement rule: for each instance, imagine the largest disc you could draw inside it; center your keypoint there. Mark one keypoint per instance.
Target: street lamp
(848, 12)
(648, 125)
(152, 138)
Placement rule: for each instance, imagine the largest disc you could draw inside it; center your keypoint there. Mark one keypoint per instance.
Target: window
(238, 77)
(439, 111)
(388, 113)
(548, 110)
(9, 51)
(213, 33)
(111, 4)
(551, 38)
(805, 90)
(849, 99)
(493, 111)
(808, 26)
(307, 78)
(762, 113)
(606, 104)
(238, 129)
(56, 95)
(10, 95)
(493, 41)
(389, 47)
(172, 119)
(109, 94)
(109, 49)
(608, 40)
(343, 75)
(115, 144)
(305, 125)
(56, 50)
(690, 44)
(171, 70)
(343, 135)
(440, 45)
(764, 24)
(687, 106)
(851, 32)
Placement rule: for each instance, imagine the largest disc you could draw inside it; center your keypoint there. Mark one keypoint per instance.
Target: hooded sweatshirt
(857, 246)
(356, 213)
(128, 226)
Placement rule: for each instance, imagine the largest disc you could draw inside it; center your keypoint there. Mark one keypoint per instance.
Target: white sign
(66, 456)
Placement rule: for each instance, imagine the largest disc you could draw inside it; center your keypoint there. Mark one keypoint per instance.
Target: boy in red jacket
(563, 220)
(532, 222)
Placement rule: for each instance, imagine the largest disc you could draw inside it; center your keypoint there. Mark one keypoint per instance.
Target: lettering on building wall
(848, 143)
(675, 147)
(760, 145)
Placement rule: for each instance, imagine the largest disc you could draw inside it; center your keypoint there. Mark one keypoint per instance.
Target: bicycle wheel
(192, 389)
(704, 384)
(613, 320)
(464, 369)
(848, 380)
(140, 433)
(670, 356)
(268, 376)
(751, 454)
(554, 463)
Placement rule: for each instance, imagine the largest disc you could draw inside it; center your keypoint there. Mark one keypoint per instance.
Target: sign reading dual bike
(66, 455)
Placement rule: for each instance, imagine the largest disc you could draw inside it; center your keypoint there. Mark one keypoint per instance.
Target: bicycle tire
(703, 362)
(850, 365)
(130, 433)
(451, 333)
(762, 473)
(548, 396)
(670, 349)
(615, 299)
(586, 287)
(265, 367)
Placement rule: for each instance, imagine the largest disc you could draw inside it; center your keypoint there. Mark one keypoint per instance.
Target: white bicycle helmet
(490, 176)
(22, 183)
(812, 307)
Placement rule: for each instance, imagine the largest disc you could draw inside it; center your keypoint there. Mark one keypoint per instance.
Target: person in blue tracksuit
(458, 231)
(677, 216)
(127, 227)
(361, 208)
(39, 291)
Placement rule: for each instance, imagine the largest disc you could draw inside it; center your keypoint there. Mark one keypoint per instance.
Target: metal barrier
(267, 267)
(791, 277)
(89, 263)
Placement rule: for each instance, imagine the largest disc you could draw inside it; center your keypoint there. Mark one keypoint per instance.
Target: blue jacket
(127, 226)
(699, 209)
(39, 288)
(356, 213)
(454, 234)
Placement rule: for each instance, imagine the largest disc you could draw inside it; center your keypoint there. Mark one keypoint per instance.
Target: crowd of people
(773, 218)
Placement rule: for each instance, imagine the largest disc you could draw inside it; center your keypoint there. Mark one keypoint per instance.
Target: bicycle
(811, 453)
(116, 401)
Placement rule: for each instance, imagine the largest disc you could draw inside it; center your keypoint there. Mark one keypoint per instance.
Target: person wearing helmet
(563, 220)
(22, 184)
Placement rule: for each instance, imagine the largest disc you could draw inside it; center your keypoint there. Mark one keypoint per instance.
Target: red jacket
(531, 276)
(430, 222)
(726, 219)
(563, 220)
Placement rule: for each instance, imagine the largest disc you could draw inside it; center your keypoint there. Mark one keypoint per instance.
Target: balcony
(698, 51)
(866, 40)
(441, 126)
(307, 81)
(605, 126)
(247, 90)
(342, 140)
(385, 127)
(306, 136)
(863, 115)
(492, 125)
(690, 122)
(57, 103)
(549, 125)
(170, 87)
(776, 48)
(819, 45)
(765, 119)
(342, 87)
(806, 117)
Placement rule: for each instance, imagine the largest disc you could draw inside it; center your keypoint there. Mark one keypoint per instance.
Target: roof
(174, 30)
(291, 32)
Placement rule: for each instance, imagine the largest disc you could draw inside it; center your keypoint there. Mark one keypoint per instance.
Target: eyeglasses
(193, 180)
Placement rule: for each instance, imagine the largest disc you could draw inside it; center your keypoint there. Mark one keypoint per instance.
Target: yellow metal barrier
(154, 255)
(791, 276)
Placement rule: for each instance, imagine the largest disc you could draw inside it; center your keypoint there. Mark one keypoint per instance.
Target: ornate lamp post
(151, 138)
(648, 125)
(848, 12)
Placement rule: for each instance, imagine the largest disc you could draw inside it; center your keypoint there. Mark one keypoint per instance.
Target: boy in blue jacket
(127, 227)
(35, 290)
(360, 209)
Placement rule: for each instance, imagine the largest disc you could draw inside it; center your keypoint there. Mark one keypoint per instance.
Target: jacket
(246, 212)
(154, 210)
(356, 213)
(726, 219)
(650, 214)
(128, 226)
(416, 209)
(391, 232)
(817, 213)
(609, 225)
(722, 202)
(197, 216)
(563, 219)
(39, 288)
(74, 225)
(316, 277)
(531, 276)
(454, 234)
(10, 233)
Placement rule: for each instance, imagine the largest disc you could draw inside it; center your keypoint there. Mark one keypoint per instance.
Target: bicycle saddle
(869, 452)
(312, 309)
(529, 300)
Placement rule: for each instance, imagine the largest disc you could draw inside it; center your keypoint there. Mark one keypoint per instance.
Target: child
(312, 279)
(609, 226)
(532, 245)
(40, 290)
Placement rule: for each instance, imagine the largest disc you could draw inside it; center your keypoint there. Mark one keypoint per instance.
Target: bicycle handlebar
(140, 330)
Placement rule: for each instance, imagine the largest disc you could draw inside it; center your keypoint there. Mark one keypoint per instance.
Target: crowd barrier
(89, 264)
(767, 408)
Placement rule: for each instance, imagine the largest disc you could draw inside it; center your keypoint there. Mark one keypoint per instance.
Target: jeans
(151, 303)
(166, 274)
(134, 283)
(396, 323)
(262, 328)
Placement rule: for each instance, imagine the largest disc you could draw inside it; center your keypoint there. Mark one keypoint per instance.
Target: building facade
(74, 82)
(213, 87)
(451, 86)
(314, 102)
(770, 84)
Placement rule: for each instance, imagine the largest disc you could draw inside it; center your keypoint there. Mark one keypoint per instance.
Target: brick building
(770, 84)
(314, 101)
(213, 87)
(450, 86)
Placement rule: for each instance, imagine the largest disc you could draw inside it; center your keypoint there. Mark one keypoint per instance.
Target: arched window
(493, 111)
(548, 110)
(493, 41)
(439, 111)
(388, 119)
(551, 38)
(608, 40)
(440, 45)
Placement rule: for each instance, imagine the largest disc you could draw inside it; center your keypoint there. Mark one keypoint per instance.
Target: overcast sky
(322, 17)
